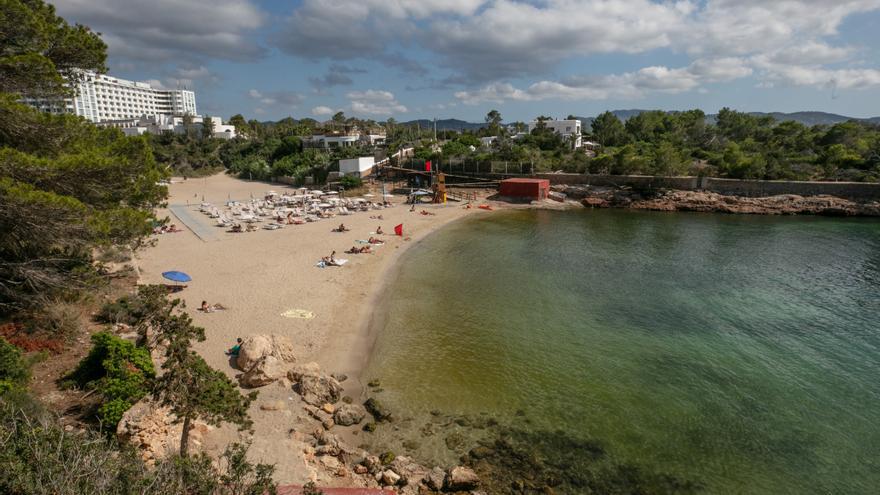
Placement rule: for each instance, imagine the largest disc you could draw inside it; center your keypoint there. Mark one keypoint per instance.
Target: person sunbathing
(174, 228)
(236, 349)
(210, 308)
(236, 227)
(365, 250)
(379, 230)
(373, 240)
(341, 228)
(426, 212)
(353, 250)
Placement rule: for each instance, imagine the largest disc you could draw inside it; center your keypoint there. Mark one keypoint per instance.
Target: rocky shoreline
(709, 202)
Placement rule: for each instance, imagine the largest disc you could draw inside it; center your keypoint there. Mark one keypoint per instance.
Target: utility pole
(435, 129)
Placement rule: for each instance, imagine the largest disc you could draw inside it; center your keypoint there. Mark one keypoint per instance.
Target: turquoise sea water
(739, 352)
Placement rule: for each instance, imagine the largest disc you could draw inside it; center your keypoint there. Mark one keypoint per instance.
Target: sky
(410, 59)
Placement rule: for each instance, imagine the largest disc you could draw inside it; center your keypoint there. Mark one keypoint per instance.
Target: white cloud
(628, 85)
(321, 110)
(375, 102)
(484, 42)
(165, 30)
(288, 99)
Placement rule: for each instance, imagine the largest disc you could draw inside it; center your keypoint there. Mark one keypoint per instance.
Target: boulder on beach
(349, 414)
(315, 387)
(255, 347)
(266, 370)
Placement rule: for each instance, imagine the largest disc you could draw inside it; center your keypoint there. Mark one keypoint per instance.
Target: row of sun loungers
(281, 210)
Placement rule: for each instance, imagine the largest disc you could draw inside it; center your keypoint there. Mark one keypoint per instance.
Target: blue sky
(411, 59)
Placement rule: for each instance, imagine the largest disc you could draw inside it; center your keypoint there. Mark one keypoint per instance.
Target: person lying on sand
(210, 308)
(360, 250)
(426, 212)
(236, 349)
(341, 228)
(373, 240)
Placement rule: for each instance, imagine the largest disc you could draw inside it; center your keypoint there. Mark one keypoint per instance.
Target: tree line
(71, 195)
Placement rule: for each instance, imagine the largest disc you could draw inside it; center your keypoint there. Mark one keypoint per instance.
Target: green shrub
(117, 369)
(38, 457)
(133, 310)
(351, 182)
(13, 370)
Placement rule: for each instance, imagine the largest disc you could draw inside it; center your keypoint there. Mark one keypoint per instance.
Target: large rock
(435, 479)
(317, 389)
(461, 478)
(266, 370)
(154, 432)
(349, 414)
(150, 429)
(255, 347)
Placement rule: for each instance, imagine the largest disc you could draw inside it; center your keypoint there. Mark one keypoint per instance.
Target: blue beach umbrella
(177, 276)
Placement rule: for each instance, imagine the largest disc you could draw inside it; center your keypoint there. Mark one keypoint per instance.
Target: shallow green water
(741, 352)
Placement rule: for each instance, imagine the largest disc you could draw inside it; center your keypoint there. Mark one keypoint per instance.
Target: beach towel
(365, 241)
(298, 313)
(339, 262)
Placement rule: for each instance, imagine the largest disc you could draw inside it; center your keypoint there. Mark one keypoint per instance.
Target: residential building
(349, 136)
(101, 98)
(157, 124)
(565, 128)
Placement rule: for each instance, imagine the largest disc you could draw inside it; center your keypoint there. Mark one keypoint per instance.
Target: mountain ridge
(806, 117)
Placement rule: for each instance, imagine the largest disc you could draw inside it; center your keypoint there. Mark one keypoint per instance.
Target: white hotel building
(104, 99)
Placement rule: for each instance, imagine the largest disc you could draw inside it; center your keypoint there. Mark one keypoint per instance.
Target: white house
(565, 128)
(357, 167)
(157, 124)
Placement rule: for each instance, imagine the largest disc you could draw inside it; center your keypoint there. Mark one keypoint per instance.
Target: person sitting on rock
(236, 349)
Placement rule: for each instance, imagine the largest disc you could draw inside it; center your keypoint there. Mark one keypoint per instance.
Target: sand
(260, 275)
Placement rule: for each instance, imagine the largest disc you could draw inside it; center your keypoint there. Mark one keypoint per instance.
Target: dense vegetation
(734, 145)
(66, 186)
(70, 193)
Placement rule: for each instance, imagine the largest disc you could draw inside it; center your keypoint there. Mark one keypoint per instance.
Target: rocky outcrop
(703, 201)
(150, 429)
(154, 432)
(349, 414)
(264, 359)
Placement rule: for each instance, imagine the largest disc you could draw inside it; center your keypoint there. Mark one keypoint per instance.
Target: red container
(525, 188)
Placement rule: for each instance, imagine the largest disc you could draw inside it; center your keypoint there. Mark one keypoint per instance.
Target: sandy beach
(260, 275)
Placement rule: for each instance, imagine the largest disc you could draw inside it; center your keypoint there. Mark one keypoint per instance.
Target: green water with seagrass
(738, 352)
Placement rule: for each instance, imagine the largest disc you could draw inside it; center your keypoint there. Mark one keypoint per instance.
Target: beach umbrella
(331, 192)
(176, 276)
(325, 205)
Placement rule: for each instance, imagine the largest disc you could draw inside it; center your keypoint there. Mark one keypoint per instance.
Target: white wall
(357, 166)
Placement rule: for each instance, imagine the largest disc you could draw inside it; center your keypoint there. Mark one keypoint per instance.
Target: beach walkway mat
(189, 216)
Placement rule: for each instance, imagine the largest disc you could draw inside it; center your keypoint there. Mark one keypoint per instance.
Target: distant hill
(806, 118)
(446, 124)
